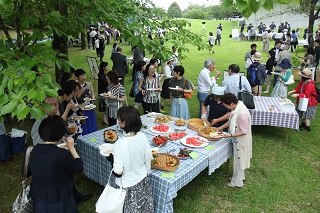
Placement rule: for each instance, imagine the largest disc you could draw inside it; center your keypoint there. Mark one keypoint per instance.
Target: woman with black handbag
(102, 88)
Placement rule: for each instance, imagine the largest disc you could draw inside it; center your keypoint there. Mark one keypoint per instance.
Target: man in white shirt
(232, 82)
(93, 34)
(205, 81)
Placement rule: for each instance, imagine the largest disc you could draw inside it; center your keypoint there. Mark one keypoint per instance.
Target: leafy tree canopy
(24, 61)
(174, 10)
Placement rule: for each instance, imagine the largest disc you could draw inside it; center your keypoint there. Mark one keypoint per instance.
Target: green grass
(284, 176)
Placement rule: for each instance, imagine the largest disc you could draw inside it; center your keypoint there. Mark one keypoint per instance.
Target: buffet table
(262, 115)
(164, 189)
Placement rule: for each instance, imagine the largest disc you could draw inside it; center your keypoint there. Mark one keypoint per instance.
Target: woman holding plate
(179, 85)
(280, 89)
(150, 87)
(116, 95)
(240, 132)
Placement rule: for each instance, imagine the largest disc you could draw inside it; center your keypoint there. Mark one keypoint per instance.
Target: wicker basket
(196, 123)
(169, 169)
(207, 136)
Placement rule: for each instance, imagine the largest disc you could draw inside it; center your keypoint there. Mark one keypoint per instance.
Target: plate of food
(176, 135)
(104, 94)
(106, 149)
(110, 136)
(210, 133)
(62, 145)
(153, 114)
(184, 154)
(78, 117)
(152, 89)
(160, 129)
(160, 140)
(166, 162)
(89, 107)
(180, 122)
(163, 119)
(194, 141)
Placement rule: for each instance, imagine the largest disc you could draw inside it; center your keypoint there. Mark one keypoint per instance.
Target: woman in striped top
(150, 87)
(116, 95)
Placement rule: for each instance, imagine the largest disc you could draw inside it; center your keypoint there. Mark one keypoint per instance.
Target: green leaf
(241, 5)
(46, 77)
(10, 84)
(32, 94)
(52, 92)
(30, 75)
(41, 95)
(1, 89)
(226, 4)
(268, 5)
(22, 114)
(254, 5)
(36, 112)
(4, 82)
(4, 98)
(9, 107)
(39, 81)
(247, 12)
(47, 107)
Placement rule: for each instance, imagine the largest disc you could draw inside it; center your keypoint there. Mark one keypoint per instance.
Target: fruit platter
(194, 141)
(176, 135)
(160, 140)
(164, 161)
(180, 122)
(160, 129)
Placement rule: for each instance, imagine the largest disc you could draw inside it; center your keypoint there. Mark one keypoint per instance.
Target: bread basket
(196, 123)
(207, 136)
(161, 160)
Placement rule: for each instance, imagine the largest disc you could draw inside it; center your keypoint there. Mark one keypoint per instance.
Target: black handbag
(131, 94)
(102, 105)
(246, 97)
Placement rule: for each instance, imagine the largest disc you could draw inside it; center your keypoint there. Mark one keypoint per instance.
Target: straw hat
(306, 73)
(216, 90)
(256, 56)
(170, 59)
(285, 64)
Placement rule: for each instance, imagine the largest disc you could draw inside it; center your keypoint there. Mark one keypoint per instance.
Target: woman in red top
(306, 89)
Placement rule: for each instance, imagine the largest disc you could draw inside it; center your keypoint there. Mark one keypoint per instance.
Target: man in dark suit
(120, 64)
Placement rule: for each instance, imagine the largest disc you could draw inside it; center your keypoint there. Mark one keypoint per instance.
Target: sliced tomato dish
(195, 141)
(161, 128)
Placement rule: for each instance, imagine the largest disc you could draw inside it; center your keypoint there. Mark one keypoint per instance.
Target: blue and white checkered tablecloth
(262, 115)
(97, 168)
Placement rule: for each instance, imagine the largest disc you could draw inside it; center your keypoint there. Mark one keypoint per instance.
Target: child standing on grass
(211, 42)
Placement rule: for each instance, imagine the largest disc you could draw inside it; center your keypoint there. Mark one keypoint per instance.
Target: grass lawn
(284, 176)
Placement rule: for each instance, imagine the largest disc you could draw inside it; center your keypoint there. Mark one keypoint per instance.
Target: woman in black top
(52, 169)
(269, 68)
(103, 88)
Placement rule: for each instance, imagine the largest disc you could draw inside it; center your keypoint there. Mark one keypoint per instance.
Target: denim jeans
(201, 97)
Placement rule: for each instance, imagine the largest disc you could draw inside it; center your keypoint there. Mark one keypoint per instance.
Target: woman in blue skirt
(178, 86)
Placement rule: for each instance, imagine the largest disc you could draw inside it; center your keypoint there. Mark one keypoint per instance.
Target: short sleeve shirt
(217, 110)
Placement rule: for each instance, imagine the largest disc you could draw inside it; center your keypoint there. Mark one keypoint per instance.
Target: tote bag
(111, 200)
(290, 80)
(303, 104)
(245, 97)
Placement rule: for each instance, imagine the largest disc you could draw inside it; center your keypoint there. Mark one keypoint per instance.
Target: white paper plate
(89, 108)
(152, 89)
(106, 149)
(153, 114)
(157, 132)
(104, 94)
(203, 140)
(80, 117)
(173, 88)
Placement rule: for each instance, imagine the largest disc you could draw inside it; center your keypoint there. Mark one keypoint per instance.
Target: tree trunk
(60, 42)
(84, 42)
(311, 23)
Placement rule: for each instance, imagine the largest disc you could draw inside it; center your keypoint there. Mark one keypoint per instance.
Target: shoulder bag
(187, 95)
(290, 80)
(23, 203)
(111, 200)
(245, 97)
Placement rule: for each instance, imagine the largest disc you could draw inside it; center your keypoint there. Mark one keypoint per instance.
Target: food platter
(194, 141)
(160, 129)
(110, 136)
(210, 133)
(163, 119)
(180, 122)
(106, 149)
(89, 107)
(164, 161)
